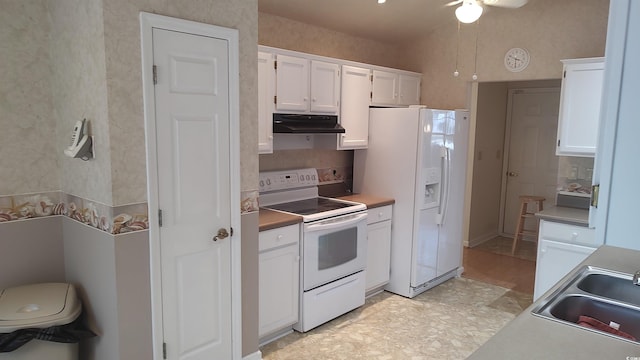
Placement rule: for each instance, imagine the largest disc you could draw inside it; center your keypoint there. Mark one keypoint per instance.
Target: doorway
(530, 165)
(493, 107)
(190, 83)
(492, 149)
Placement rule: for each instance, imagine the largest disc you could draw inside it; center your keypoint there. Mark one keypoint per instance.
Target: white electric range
(333, 244)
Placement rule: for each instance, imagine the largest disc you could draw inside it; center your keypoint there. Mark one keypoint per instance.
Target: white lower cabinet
(378, 248)
(279, 260)
(557, 258)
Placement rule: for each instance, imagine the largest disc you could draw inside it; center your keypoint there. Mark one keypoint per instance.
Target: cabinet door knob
(280, 237)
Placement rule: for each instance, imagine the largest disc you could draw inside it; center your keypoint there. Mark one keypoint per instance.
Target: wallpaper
(68, 60)
(550, 30)
(79, 91)
(287, 34)
(113, 220)
(124, 84)
(28, 160)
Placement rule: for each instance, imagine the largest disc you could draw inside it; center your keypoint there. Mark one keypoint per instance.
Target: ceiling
(393, 21)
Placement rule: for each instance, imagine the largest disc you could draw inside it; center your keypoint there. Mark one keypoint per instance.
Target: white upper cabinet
(395, 89)
(580, 107)
(354, 117)
(292, 83)
(266, 92)
(307, 86)
(384, 88)
(409, 89)
(325, 87)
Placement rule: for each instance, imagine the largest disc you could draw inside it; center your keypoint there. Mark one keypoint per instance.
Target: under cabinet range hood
(306, 124)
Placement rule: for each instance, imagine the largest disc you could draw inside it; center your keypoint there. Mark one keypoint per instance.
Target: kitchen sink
(612, 287)
(607, 296)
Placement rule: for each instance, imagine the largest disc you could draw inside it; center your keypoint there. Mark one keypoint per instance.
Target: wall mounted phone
(81, 145)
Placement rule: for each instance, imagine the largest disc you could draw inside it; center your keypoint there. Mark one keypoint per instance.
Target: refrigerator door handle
(444, 186)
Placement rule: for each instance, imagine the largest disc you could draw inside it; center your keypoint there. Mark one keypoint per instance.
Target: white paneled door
(532, 167)
(192, 139)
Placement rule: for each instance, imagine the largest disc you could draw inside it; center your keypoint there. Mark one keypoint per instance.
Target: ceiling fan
(470, 10)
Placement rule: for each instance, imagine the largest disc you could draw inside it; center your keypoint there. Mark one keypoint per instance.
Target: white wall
(111, 274)
(619, 150)
(487, 162)
(31, 251)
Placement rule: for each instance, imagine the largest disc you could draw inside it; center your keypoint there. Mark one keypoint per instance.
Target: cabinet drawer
(567, 233)
(277, 237)
(378, 214)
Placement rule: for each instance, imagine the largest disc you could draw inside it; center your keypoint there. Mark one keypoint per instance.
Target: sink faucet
(636, 278)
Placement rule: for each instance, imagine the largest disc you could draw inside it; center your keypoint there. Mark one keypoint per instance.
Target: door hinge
(558, 142)
(595, 192)
(164, 350)
(275, 99)
(155, 75)
(564, 74)
(275, 65)
(371, 95)
(160, 217)
(230, 231)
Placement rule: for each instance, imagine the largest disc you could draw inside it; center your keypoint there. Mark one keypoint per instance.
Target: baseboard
(255, 356)
(480, 239)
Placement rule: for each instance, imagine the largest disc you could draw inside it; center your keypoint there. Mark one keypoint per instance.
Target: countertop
(270, 219)
(369, 200)
(565, 215)
(532, 337)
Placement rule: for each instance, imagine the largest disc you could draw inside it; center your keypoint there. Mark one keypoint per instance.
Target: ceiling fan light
(381, 1)
(468, 12)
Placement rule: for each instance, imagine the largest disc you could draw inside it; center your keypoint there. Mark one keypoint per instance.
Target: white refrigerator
(418, 157)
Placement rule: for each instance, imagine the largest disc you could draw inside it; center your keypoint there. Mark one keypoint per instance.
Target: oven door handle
(336, 222)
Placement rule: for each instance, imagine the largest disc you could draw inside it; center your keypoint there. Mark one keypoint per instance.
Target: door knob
(222, 233)
(511, 173)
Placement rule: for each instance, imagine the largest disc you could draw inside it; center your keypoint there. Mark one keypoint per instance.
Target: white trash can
(39, 306)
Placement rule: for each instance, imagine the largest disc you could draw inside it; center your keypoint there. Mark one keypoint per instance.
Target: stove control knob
(261, 183)
(268, 181)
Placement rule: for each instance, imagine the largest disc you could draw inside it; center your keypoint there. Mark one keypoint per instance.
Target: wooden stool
(524, 214)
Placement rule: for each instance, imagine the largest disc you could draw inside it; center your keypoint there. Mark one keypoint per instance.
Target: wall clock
(516, 59)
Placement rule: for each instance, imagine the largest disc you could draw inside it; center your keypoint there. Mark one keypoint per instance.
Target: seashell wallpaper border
(113, 220)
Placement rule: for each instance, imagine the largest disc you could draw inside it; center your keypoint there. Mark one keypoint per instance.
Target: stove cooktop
(310, 206)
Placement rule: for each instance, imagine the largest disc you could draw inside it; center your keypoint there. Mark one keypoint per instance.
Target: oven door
(333, 248)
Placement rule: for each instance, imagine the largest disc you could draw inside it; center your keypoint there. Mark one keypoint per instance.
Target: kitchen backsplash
(575, 174)
(333, 166)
